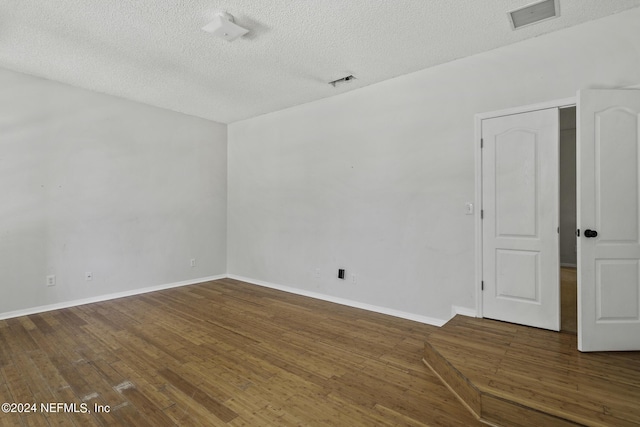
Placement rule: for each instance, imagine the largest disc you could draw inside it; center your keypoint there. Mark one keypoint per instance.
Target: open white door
(609, 220)
(520, 219)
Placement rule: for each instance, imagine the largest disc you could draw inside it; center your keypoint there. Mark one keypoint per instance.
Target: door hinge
(481, 213)
(481, 143)
(578, 232)
(482, 285)
(558, 230)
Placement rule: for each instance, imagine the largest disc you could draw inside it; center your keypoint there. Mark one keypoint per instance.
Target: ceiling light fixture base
(224, 27)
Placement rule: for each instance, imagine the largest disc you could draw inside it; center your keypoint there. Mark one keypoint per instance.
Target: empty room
(327, 213)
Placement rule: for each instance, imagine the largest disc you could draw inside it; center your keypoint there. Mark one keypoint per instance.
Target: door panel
(516, 190)
(616, 175)
(616, 280)
(517, 275)
(520, 204)
(608, 202)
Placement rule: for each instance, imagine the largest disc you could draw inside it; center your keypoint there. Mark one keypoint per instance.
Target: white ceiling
(154, 51)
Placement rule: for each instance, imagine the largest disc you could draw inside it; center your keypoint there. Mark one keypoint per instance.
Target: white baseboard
(350, 303)
(100, 298)
(343, 301)
(463, 311)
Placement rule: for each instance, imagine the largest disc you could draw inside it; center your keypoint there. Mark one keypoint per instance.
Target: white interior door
(608, 204)
(520, 219)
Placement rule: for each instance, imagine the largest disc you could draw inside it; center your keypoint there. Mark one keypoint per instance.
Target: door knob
(590, 233)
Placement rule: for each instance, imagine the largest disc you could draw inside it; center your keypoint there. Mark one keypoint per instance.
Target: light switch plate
(468, 208)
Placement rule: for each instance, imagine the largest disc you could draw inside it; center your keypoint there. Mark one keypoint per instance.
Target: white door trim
(560, 103)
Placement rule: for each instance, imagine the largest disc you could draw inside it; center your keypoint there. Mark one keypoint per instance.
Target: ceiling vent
(533, 13)
(342, 80)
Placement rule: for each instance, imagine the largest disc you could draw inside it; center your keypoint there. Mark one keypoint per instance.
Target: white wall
(375, 180)
(90, 182)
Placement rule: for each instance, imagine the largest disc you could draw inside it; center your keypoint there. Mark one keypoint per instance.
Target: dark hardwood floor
(221, 353)
(513, 375)
(569, 300)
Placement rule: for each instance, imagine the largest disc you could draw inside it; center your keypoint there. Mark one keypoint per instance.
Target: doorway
(529, 191)
(568, 243)
(520, 218)
(518, 264)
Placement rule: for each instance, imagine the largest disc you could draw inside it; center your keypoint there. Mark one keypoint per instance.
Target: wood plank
(150, 412)
(218, 409)
(505, 413)
(453, 378)
(41, 323)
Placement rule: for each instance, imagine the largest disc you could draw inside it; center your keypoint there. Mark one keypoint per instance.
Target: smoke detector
(534, 13)
(224, 27)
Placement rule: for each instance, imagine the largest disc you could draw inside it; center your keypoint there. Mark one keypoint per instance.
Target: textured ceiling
(154, 51)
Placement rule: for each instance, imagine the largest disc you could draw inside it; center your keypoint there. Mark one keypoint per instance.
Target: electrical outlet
(51, 280)
(353, 278)
(193, 262)
(88, 276)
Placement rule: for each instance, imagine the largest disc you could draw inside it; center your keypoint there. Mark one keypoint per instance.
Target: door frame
(559, 103)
